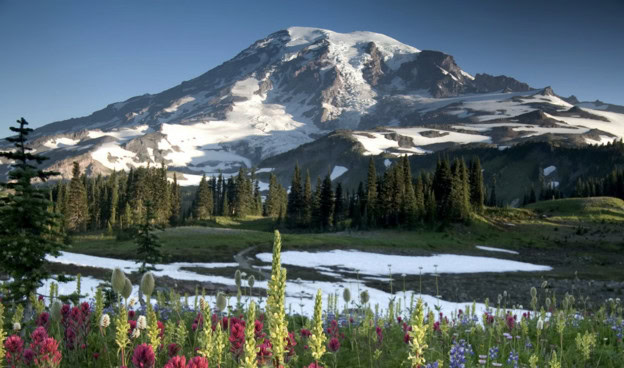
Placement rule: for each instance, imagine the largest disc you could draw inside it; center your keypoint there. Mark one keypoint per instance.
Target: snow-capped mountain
(299, 84)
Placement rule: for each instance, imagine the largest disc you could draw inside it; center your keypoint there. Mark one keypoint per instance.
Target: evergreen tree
(274, 198)
(493, 200)
(295, 199)
(371, 194)
(113, 200)
(477, 191)
(148, 243)
(202, 209)
(176, 202)
(308, 201)
(76, 207)
(326, 204)
(442, 182)
(339, 206)
(28, 231)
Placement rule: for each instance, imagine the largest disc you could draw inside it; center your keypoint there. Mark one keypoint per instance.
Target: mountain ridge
(299, 84)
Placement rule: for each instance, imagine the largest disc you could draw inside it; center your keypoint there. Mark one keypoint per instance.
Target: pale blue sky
(62, 59)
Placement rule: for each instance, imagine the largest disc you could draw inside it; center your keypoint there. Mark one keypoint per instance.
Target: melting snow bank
(337, 172)
(300, 293)
(491, 249)
(381, 264)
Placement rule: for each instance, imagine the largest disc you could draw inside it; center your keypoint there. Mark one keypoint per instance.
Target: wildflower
(14, 346)
(264, 353)
(105, 320)
(237, 337)
(173, 349)
(540, 324)
(38, 335)
(318, 337)
(493, 353)
(48, 354)
(17, 326)
(29, 356)
(314, 365)
(513, 359)
(176, 362)
(458, 353)
(197, 362)
(131, 302)
(143, 356)
(43, 319)
(334, 344)
(141, 323)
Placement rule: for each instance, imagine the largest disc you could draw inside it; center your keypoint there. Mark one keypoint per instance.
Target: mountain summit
(293, 87)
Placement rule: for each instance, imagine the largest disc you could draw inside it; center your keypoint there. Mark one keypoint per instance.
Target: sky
(62, 59)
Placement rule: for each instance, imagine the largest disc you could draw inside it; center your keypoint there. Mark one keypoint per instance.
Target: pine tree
(371, 194)
(308, 201)
(148, 243)
(442, 183)
(326, 204)
(113, 200)
(76, 207)
(295, 199)
(410, 206)
(176, 202)
(202, 206)
(339, 206)
(477, 191)
(273, 199)
(28, 231)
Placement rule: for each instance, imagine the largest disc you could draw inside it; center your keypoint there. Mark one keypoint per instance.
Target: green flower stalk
(121, 338)
(417, 335)
(181, 334)
(153, 332)
(99, 304)
(220, 343)
(278, 327)
(554, 362)
(317, 339)
(250, 350)
(586, 343)
(206, 341)
(2, 334)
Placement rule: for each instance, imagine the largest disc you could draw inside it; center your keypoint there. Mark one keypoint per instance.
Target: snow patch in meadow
(380, 264)
(299, 293)
(492, 249)
(337, 172)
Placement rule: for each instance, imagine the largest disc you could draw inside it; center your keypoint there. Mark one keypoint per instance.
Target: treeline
(611, 185)
(395, 199)
(118, 201)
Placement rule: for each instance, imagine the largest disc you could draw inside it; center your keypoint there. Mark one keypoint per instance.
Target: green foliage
(148, 243)
(28, 228)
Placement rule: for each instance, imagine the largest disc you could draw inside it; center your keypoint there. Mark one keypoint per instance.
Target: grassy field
(593, 222)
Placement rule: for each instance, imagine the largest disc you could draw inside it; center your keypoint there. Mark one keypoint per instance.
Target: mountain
(295, 87)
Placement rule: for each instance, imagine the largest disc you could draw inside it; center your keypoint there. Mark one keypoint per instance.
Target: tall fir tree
(76, 205)
(326, 205)
(28, 230)
(176, 202)
(148, 243)
(295, 199)
(202, 206)
(371, 194)
(477, 189)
